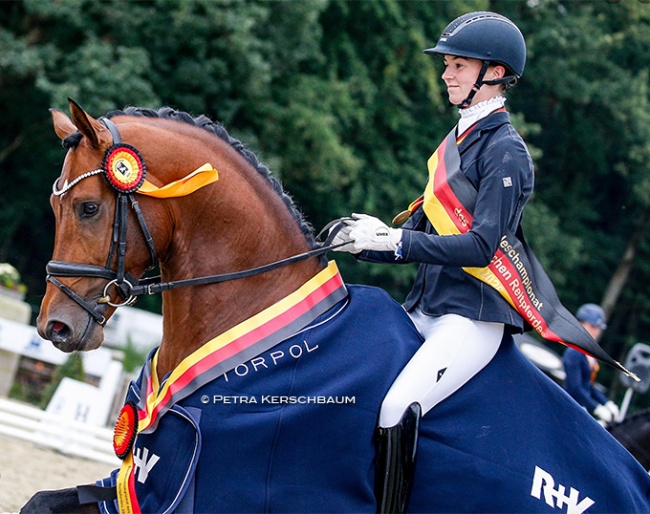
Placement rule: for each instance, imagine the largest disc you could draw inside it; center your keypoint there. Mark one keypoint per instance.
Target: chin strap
(507, 80)
(477, 85)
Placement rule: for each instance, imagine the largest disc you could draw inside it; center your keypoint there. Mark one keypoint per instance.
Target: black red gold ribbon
(223, 353)
(448, 202)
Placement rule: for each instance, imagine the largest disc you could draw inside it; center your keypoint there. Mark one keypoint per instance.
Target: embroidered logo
(461, 217)
(543, 482)
(507, 181)
(143, 464)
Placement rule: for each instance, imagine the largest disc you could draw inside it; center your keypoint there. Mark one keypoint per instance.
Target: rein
(126, 285)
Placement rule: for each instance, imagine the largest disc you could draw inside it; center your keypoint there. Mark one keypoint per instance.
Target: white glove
(343, 236)
(603, 413)
(614, 410)
(370, 233)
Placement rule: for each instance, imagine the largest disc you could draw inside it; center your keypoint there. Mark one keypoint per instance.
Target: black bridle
(127, 286)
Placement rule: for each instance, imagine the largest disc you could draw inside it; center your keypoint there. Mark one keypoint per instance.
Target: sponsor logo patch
(544, 488)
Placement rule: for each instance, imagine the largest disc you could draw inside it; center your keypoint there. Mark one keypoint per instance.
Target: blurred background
(339, 100)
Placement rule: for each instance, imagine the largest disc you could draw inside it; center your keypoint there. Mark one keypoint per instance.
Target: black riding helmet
(489, 37)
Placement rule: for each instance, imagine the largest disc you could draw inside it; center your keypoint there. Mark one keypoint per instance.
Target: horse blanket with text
(291, 430)
(512, 440)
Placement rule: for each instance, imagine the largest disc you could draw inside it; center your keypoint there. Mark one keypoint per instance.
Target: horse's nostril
(57, 326)
(57, 331)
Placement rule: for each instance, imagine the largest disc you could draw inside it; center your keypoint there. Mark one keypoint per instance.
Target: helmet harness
(488, 37)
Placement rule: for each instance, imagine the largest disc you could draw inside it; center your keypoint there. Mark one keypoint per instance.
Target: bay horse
(264, 393)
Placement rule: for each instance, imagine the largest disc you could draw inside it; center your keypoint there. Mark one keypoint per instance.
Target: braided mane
(218, 130)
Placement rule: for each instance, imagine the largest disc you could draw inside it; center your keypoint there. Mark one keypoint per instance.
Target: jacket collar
(487, 124)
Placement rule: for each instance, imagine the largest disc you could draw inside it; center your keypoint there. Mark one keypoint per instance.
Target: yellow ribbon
(200, 177)
(124, 500)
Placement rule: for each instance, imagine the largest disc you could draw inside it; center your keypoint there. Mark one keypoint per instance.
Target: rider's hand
(603, 414)
(343, 236)
(370, 233)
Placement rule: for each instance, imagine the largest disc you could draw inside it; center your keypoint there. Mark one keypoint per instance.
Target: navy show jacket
(578, 380)
(496, 161)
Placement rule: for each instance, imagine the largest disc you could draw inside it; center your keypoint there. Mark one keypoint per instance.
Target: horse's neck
(194, 315)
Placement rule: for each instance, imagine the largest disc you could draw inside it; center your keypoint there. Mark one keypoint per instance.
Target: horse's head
(90, 265)
(104, 241)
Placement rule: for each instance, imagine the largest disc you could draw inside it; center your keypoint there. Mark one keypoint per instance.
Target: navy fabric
(578, 380)
(175, 445)
(496, 161)
(278, 456)
(511, 440)
(478, 449)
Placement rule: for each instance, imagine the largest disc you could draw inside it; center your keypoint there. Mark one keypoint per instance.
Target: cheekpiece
(124, 167)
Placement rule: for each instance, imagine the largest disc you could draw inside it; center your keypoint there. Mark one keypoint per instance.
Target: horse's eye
(88, 209)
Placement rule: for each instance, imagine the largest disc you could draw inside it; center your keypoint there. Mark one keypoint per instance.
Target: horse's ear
(98, 135)
(62, 124)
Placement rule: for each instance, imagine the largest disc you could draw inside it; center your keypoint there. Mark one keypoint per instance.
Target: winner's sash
(448, 202)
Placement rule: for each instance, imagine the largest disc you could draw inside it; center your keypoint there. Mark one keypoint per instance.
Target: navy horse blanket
(512, 440)
(291, 430)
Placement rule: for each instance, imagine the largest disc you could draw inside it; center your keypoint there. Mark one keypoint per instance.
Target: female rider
(461, 317)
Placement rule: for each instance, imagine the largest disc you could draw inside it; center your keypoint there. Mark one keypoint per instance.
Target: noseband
(130, 178)
(126, 285)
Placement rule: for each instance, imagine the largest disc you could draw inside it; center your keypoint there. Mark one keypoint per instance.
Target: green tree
(338, 99)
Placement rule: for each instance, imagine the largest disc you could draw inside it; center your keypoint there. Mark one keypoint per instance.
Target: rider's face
(594, 330)
(460, 76)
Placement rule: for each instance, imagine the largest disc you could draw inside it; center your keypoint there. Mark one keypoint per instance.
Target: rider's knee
(392, 410)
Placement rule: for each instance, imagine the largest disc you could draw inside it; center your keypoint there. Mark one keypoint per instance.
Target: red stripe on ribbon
(244, 342)
(133, 498)
(445, 194)
(503, 260)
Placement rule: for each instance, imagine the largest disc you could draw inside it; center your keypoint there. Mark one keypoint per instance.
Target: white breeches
(455, 349)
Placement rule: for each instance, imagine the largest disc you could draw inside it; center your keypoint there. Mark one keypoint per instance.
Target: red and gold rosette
(126, 428)
(124, 167)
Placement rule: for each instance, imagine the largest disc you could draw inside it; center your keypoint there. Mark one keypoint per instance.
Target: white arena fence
(48, 430)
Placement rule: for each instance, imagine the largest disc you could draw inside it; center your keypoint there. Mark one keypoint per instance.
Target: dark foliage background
(339, 100)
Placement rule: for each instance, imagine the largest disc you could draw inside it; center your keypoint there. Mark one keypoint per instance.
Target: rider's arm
(504, 182)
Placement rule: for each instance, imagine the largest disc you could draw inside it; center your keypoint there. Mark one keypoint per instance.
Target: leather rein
(127, 286)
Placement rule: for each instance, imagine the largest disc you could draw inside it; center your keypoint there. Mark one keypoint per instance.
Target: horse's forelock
(72, 141)
(220, 131)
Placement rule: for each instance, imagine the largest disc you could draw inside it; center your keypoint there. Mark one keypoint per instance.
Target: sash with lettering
(156, 400)
(448, 202)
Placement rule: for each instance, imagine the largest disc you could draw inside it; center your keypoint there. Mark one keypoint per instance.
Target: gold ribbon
(199, 178)
(125, 492)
